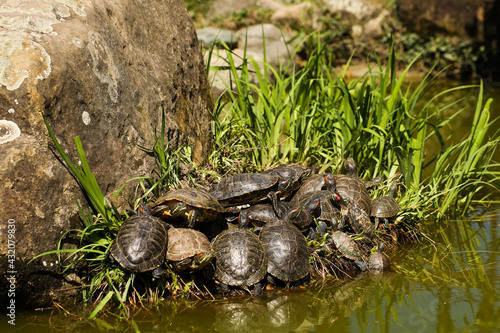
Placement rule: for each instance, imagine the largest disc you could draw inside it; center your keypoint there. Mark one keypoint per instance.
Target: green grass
(314, 116)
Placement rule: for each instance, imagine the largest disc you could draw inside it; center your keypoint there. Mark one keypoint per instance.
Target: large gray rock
(101, 70)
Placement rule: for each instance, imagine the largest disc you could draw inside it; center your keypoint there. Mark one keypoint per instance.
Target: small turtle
(294, 173)
(190, 204)
(378, 261)
(351, 187)
(240, 259)
(188, 249)
(245, 188)
(257, 215)
(358, 219)
(348, 247)
(141, 243)
(385, 207)
(286, 251)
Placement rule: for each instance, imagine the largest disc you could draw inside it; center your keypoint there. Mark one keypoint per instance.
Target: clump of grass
(315, 116)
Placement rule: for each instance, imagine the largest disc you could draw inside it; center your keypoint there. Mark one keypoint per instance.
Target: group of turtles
(263, 224)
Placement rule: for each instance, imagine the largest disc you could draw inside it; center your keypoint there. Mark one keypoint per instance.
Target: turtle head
(201, 259)
(330, 182)
(243, 219)
(351, 167)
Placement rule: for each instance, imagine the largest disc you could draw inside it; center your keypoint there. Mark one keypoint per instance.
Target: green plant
(314, 116)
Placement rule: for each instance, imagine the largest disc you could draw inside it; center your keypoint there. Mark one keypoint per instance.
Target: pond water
(450, 281)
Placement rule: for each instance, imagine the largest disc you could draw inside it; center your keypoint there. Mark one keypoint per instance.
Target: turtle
(188, 249)
(286, 251)
(257, 215)
(293, 172)
(351, 187)
(358, 219)
(141, 243)
(245, 188)
(347, 247)
(378, 261)
(189, 204)
(385, 207)
(328, 211)
(240, 259)
(300, 216)
(316, 182)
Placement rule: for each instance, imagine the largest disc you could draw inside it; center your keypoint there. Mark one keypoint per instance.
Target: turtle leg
(257, 290)
(377, 222)
(159, 271)
(361, 265)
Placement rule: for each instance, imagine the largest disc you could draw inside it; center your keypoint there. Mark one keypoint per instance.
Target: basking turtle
(141, 243)
(286, 251)
(348, 247)
(240, 259)
(328, 211)
(300, 216)
(257, 215)
(358, 219)
(316, 182)
(385, 207)
(378, 261)
(190, 204)
(245, 188)
(294, 173)
(188, 249)
(351, 187)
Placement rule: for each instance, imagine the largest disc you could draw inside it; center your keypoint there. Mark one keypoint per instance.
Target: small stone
(208, 36)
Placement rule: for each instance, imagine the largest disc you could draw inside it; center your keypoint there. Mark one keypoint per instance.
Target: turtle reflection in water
(285, 313)
(239, 317)
(353, 294)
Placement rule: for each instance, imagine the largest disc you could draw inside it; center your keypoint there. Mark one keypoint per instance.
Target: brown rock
(101, 70)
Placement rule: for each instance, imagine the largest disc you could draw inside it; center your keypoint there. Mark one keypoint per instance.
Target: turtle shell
(258, 215)
(293, 174)
(286, 251)
(384, 207)
(188, 248)
(346, 245)
(244, 188)
(360, 220)
(141, 243)
(312, 184)
(354, 190)
(239, 258)
(378, 261)
(208, 208)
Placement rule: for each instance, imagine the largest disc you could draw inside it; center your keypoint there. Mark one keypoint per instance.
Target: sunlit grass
(316, 117)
